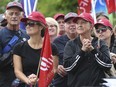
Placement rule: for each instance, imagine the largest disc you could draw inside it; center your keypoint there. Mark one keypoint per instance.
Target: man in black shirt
(60, 79)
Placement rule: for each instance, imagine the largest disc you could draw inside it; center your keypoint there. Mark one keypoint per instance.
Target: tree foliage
(51, 7)
(3, 5)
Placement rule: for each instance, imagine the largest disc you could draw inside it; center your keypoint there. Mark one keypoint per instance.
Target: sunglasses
(32, 24)
(101, 30)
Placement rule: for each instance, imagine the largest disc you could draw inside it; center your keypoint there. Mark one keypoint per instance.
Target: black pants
(61, 82)
(6, 78)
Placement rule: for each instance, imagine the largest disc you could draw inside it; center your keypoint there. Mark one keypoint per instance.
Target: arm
(113, 57)
(72, 56)
(102, 55)
(5, 58)
(55, 63)
(30, 80)
(58, 68)
(18, 69)
(60, 44)
(60, 47)
(55, 57)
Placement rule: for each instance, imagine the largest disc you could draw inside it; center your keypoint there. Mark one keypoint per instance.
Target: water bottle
(15, 83)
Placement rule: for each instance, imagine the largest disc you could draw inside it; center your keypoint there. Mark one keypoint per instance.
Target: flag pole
(79, 11)
(93, 3)
(29, 6)
(25, 8)
(38, 69)
(35, 6)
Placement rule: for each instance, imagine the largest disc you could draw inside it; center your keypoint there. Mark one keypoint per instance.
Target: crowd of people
(84, 52)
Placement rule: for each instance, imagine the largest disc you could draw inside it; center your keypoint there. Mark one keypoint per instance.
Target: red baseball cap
(85, 16)
(56, 16)
(104, 22)
(35, 16)
(14, 4)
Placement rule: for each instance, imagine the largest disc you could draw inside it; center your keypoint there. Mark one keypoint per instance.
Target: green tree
(3, 5)
(51, 7)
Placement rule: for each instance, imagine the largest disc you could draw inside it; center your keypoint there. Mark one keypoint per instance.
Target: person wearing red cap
(83, 60)
(104, 31)
(60, 19)
(9, 37)
(26, 55)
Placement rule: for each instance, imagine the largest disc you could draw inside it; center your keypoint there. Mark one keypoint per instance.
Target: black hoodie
(86, 68)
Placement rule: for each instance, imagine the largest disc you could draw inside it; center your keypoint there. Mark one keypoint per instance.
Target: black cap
(70, 15)
(14, 4)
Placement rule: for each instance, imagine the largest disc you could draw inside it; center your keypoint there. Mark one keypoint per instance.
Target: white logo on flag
(46, 63)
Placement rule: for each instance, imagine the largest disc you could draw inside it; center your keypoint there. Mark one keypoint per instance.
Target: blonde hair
(52, 21)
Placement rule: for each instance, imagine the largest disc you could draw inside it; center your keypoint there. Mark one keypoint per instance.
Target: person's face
(52, 29)
(83, 26)
(70, 27)
(61, 24)
(103, 32)
(33, 28)
(13, 16)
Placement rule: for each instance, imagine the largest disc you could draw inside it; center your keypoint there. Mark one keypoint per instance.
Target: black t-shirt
(30, 57)
(60, 42)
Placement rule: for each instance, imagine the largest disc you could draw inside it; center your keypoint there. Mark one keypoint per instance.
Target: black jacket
(6, 66)
(86, 68)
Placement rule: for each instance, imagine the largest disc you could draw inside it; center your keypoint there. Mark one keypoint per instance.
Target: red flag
(46, 67)
(84, 6)
(111, 6)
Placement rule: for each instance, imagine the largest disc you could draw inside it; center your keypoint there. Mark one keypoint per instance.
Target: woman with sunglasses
(27, 54)
(104, 31)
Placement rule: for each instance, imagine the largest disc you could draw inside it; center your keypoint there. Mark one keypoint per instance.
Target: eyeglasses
(31, 24)
(101, 29)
